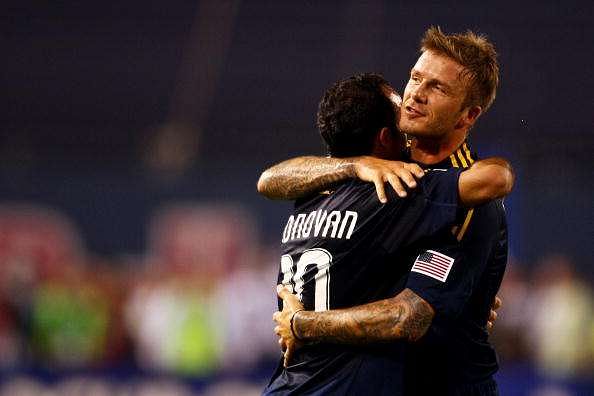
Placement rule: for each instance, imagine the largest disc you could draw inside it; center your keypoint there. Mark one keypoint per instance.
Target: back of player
(342, 250)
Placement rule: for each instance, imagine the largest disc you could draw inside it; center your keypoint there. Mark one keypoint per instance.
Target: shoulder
(350, 193)
(441, 186)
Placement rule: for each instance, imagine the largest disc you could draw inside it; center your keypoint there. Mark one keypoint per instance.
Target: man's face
(433, 97)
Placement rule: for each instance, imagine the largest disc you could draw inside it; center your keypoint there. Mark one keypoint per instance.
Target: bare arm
(301, 176)
(406, 316)
(486, 180)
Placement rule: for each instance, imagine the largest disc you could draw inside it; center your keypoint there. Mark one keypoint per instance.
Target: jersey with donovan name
(344, 249)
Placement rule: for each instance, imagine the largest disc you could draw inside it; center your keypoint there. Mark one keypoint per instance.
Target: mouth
(412, 112)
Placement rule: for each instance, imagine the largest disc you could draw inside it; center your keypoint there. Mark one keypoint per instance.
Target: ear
(385, 138)
(473, 113)
(383, 143)
(469, 117)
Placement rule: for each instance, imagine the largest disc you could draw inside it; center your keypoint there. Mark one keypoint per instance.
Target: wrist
(294, 325)
(352, 166)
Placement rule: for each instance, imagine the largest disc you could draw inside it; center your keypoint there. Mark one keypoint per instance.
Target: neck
(432, 151)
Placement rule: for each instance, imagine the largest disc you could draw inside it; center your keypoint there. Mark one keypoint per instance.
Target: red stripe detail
(422, 270)
(437, 263)
(430, 269)
(437, 267)
(430, 265)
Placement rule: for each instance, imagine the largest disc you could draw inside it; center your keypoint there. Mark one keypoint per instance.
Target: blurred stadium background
(135, 255)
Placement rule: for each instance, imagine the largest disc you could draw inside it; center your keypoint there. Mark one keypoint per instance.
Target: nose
(418, 94)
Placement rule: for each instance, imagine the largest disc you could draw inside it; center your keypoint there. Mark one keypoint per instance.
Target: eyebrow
(432, 80)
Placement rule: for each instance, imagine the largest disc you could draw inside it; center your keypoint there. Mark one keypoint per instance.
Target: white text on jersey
(319, 221)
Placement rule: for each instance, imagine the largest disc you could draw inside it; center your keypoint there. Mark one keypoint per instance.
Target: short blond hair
(476, 54)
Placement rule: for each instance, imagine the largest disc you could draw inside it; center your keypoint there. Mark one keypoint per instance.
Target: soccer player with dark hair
(453, 274)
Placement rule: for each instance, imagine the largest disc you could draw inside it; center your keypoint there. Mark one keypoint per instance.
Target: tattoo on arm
(302, 176)
(406, 316)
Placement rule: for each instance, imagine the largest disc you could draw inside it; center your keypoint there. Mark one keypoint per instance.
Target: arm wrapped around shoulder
(302, 176)
(486, 180)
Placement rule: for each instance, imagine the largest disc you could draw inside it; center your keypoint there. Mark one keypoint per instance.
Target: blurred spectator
(176, 313)
(70, 318)
(201, 238)
(39, 239)
(36, 243)
(563, 316)
(171, 322)
(246, 300)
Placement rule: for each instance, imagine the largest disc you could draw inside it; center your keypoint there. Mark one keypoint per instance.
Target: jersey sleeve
(439, 276)
(447, 272)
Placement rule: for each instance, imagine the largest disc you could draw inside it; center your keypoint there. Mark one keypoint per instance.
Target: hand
(287, 340)
(493, 313)
(379, 171)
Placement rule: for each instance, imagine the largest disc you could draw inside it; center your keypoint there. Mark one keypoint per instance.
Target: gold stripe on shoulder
(467, 152)
(454, 162)
(466, 160)
(465, 225)
(462, 159)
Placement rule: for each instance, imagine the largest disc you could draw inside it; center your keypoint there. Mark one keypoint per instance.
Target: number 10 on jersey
(309, 278)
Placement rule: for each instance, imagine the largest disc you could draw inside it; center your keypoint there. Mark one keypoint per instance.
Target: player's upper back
(342, 249)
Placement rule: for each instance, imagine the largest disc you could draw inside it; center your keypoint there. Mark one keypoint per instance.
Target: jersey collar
(462, 157)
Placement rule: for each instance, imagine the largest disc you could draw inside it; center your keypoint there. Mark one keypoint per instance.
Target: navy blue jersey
(346, 249)
(460, 282)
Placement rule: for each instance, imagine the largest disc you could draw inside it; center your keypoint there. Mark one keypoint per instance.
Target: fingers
(288, 354)
(396, 185)
(415, 169)
(282, 343)
(290, 300)
(497, 303)
(400, 178)
(407, 177)
(379, 189)
(492, 313)
(492, 318)
(282, 291)
(397, 177)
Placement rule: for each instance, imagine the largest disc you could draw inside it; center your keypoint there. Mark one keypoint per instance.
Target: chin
(414, 130)
(423, 131)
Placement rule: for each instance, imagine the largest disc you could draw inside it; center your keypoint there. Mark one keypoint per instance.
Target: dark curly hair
(352, 112)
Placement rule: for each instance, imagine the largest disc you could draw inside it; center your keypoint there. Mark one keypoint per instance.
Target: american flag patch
(433, 264)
